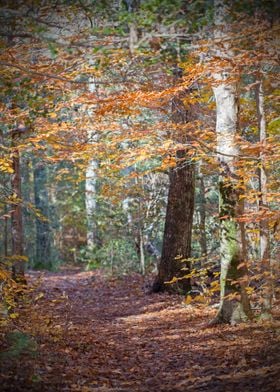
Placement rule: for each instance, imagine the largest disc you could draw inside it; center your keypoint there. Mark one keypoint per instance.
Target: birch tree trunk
(91, 180)
(90, 187)
(264, 229)
(234, 303)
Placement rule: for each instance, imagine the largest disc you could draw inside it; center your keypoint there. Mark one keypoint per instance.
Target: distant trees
(16, 214)
(176, 248)
(110, 144)
(43, 229)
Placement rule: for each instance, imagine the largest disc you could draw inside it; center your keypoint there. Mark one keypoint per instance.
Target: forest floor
(83, 331)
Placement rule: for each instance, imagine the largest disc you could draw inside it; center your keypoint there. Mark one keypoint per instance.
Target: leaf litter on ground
(84, 331)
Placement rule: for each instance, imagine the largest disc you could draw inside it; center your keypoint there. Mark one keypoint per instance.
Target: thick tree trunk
(264, 229)
(43, 230)
(16, 225)
(234, 303)
(176, 248)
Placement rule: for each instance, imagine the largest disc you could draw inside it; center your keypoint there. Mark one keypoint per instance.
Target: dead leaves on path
(98, 334)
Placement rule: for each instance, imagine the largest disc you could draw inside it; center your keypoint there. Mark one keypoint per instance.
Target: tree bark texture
(91, 183)
(264, 228)
(176, 248)
(202, 218)
(234, 303)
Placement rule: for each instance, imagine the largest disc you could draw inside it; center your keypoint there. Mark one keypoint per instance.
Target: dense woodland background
(142, 137)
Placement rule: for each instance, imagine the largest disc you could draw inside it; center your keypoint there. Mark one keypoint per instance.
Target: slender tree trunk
(132, 6)
(142, 252)
(234, 303)
(264, 229)
(16, 225)
(91, 185)
(202, 217)
(133, 37)
(5, 232)
(43, 230)
(91, 181)
(126, 209)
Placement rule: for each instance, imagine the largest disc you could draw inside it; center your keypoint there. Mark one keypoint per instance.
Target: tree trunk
(176, 247)
(6, 235)
(91, 184)
(234, 303)
(43, 230)
(91, 180)
(142, 252)
(16, 216)
(264, 229)
(132, 6)
(202, 218)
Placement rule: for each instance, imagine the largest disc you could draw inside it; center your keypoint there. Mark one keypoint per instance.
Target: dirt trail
(95, 334)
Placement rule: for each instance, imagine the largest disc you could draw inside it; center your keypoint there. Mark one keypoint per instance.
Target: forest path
(99, 334)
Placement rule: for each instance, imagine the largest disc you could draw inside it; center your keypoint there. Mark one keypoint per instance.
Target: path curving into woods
(97, 334)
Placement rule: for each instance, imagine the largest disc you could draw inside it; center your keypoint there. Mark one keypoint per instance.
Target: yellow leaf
(199, 298)
(188, 299)
(14, 315)
(4, 275)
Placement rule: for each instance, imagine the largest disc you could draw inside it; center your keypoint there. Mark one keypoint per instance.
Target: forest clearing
(139, 195)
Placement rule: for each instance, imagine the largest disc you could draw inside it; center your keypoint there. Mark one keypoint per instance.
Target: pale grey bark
(234, 304)
(202, 216)
(264, 229)
(90, 186)
(142, 253)
(133, 37)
